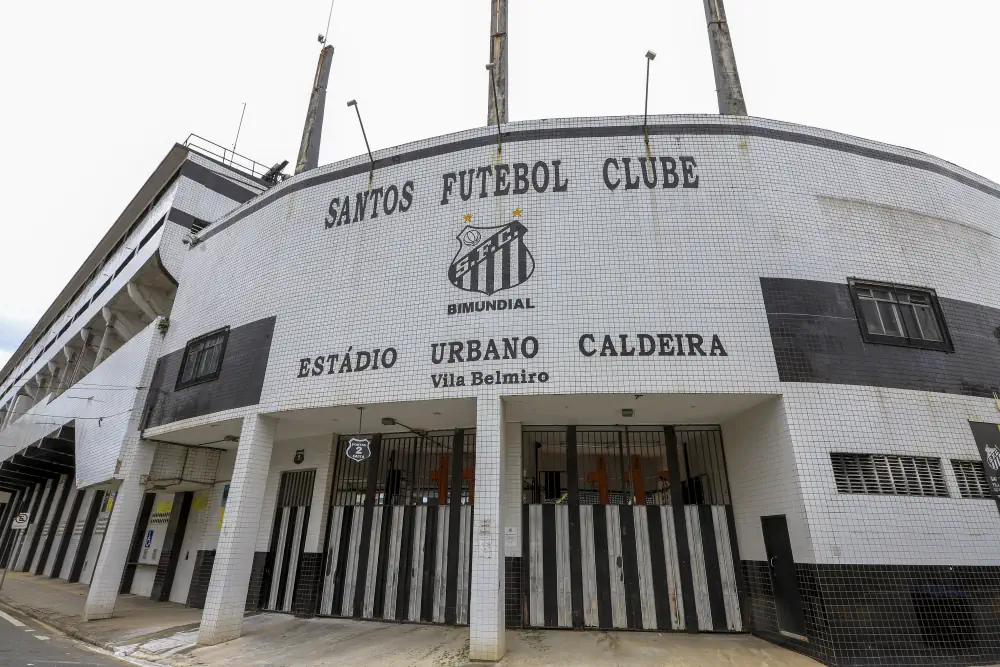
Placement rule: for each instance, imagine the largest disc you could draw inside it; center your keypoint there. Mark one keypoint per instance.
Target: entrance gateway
(627, 528)
(622, 528)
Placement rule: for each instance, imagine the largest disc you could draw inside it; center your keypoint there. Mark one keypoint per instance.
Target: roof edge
(150, 190)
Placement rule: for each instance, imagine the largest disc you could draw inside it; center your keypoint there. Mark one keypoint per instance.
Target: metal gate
(399, 536)
(288, 536)
(628, 529)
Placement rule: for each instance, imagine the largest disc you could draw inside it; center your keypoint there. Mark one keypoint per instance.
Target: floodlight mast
(727, 78)
(496, 111)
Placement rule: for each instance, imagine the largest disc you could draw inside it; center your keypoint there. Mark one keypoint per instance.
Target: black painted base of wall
(308, 582)
(256, 580)
(886, 614)
(200, 578)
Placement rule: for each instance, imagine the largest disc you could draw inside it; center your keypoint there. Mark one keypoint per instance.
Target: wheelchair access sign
(20, 521)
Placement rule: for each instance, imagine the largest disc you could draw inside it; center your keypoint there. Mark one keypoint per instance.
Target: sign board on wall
(988, 440)
(21, 521)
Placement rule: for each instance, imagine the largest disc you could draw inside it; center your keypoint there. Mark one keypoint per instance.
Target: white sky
(95, 93)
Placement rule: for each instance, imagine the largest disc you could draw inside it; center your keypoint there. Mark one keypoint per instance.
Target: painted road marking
(10, 619)
(43, 638)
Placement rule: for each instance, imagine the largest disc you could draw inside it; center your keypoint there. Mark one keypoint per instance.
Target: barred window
(888, 474)
(203, 358)
(971, 478)
(900, 315)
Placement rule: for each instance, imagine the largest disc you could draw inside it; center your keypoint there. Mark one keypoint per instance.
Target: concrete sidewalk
(273, 640)
(59, 604)
(165, 633)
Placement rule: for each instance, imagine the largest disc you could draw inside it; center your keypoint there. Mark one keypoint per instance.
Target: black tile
(816, 338)
(867, 615)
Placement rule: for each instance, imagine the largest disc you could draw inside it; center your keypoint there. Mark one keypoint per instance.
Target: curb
(137, 656)
(55, 623)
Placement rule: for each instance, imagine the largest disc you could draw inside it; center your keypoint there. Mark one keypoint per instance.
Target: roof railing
(233, 159)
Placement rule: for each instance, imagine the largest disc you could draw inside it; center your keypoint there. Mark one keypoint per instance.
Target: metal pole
(371, 172)
(3, 575)
(727, 78)
(645, 110)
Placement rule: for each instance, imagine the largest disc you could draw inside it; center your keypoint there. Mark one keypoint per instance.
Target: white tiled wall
(683, 260)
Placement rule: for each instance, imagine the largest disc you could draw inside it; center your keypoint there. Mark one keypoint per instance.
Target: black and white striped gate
(601, 544)
(288, 537)
(399, 538)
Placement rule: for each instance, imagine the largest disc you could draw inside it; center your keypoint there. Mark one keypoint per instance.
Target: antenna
(238, 131)
(321, 38)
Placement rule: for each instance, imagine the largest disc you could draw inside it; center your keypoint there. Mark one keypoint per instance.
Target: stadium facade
(739, 377)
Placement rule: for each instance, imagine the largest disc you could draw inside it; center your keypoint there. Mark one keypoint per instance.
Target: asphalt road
(23, 643)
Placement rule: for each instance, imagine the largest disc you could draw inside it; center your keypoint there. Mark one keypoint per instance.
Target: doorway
(787, 601)
(628, 528)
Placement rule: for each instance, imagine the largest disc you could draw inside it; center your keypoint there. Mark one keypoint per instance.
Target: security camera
(321, 38)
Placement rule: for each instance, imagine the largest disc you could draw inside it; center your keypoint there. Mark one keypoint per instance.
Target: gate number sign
(20, 521)
(359, 449)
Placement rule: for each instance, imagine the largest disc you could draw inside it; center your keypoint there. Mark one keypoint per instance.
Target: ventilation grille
(888, 475)
(296, 488)
(971, 479)
(198, 225)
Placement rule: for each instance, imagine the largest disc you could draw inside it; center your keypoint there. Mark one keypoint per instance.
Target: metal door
(399, 535)
(288, 536)
(628, 529)
(787, 601)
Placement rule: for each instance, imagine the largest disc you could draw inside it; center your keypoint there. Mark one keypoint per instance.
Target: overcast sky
(95, 93)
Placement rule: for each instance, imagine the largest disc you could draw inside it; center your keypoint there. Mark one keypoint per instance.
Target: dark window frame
(209, 377)
(943, 345)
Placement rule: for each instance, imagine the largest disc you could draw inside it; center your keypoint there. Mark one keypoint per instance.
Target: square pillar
(222, 619)
(487, 639)
(107, 578)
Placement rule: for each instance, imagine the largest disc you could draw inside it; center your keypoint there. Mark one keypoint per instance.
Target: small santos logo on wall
(993, 457)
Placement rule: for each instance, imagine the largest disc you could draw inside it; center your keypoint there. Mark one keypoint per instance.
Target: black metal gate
(288, 537)
(399, 535)
(628, 529)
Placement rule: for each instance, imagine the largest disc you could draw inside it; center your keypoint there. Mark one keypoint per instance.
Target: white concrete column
(487, 639)
(107, 577)
(226, 600)
(103, 345)
(512, 490)
(21, 405)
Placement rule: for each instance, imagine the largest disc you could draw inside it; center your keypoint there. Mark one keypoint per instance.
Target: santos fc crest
(993, 457)
(491, 259)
